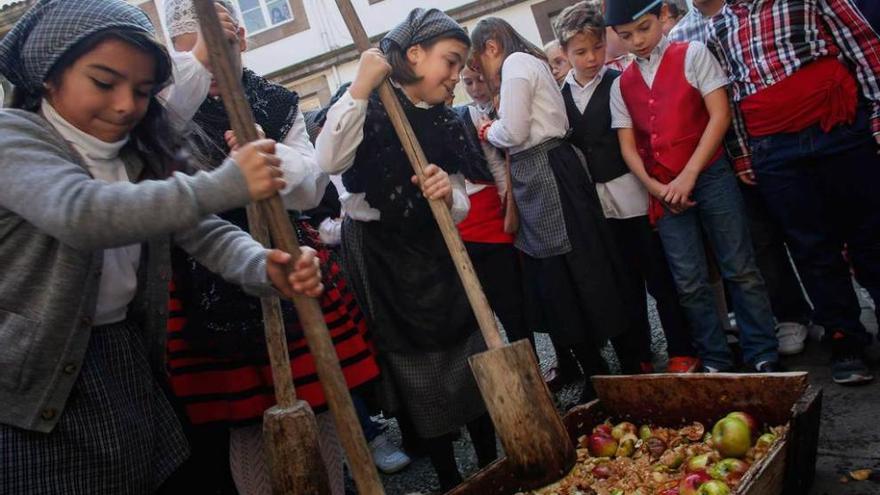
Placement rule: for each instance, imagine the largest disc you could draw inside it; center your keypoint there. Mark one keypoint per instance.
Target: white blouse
(119, 273)
(337, 145)
(306, 183)
(532, 109)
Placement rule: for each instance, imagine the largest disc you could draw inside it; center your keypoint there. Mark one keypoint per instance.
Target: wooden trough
(677, 400)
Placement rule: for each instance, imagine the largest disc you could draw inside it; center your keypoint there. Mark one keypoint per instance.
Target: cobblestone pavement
(849, 438)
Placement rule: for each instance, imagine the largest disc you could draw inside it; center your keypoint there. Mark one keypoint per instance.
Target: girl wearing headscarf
(217, 358)
(394, 252)
(88, 210)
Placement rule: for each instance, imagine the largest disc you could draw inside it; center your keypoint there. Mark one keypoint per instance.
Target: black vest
(592, 132)
(478, 169)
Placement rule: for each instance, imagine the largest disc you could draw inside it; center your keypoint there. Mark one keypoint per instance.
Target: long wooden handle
(475, 294)
(310, 315)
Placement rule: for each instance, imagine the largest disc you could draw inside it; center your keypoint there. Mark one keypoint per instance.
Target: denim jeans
(822, 188)
(719, 213)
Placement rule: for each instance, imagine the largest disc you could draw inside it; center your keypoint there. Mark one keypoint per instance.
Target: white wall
(327, 31)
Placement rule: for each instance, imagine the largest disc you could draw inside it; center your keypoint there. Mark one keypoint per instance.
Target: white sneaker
(388, 458)
(791, 336)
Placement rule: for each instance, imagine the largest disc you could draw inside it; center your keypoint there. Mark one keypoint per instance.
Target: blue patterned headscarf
(52, 27)
(420, 26)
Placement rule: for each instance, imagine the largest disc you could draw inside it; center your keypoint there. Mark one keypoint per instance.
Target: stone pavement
(849, 436)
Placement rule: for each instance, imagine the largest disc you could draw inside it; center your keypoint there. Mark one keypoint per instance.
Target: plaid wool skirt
(116, 435)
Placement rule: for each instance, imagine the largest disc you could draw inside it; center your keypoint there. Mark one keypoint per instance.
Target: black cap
(619, 12)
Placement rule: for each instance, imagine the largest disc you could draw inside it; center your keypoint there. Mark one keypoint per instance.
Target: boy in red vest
(671, 111)
(805, 84)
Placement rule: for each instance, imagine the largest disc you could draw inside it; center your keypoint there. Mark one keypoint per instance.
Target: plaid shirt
(761, 42)
(691, 27)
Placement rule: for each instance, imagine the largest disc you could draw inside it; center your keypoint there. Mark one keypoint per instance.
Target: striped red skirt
(237, 389)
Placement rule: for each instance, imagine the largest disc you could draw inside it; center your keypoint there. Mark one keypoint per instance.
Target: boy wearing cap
(671, 111)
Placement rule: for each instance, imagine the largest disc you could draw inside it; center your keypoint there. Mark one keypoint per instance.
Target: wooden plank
(767, 476)
(803, 442)
(672, 399)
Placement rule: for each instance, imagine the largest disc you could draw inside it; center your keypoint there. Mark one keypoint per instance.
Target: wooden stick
(472, 287)
(282, 232)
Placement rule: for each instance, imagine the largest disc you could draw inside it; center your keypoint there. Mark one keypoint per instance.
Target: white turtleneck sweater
(119, 273)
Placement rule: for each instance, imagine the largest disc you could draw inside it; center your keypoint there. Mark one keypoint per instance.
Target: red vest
(669, 118)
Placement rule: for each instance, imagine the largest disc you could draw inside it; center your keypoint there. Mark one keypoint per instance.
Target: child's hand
(748, 177)
(678, 192)
(300, 278)
(372, 70)
(437, 184)
(260, 167)
(232, 141)
(230, 30)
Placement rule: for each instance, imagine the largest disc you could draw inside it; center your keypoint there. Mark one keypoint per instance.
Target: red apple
(754, 426)
(604, 429)
(602, 445)
(698, 463)
(729, 470)
(714, 487)
(692, 482)
(732, 438)
(602, 471)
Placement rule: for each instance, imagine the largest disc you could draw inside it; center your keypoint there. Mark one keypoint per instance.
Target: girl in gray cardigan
(88, 210)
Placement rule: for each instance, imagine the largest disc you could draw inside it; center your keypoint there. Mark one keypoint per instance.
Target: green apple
(622, 429)
(699, 462)
(645, 432)
(731, 437)
(729, 470)
(754, 426)
(713, 487)
(766, 440)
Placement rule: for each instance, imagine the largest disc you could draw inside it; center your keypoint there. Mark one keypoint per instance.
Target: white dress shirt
(701, 70)
(119, 272)
(532, 110)
(337, 146)
(625, 196)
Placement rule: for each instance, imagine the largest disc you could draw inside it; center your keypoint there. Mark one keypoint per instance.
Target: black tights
(442, 455)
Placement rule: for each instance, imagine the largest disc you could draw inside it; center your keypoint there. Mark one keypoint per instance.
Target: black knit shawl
(382, 170)
(218, 312)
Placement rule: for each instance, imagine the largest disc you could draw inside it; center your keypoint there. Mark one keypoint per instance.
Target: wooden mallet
(531, 431)
(290, 429)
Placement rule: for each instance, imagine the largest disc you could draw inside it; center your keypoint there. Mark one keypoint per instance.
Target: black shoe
(848, 361)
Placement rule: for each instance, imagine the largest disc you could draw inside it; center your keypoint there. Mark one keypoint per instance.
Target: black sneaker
(769, 367)
(848, 362)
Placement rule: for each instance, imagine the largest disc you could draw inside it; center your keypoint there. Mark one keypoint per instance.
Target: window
(545, 13)
(260, 15)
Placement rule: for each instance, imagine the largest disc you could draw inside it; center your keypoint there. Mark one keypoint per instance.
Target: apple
(748, 419)
(732, 438)
(602, 471)
(604, 429)
(622, 429)
(713, 487)
(602, 445)
(645, 432)
(729, 470)
(626, 447)
(765, 440)
(698, 463)
(692, 482)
